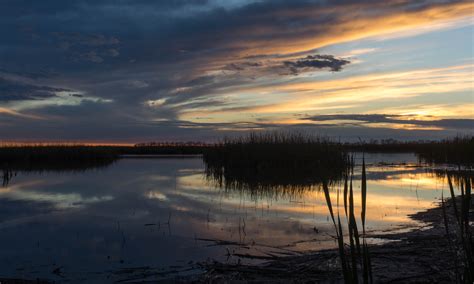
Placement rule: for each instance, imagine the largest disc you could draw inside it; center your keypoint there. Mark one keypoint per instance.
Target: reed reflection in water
(157, 212)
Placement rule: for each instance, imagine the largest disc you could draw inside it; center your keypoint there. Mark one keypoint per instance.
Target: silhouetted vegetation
(256, 160)
(60, 157)
(357, 256)
(55, 157)
(165, 148)
(459, 230)
(458, 150)
(270, 160)
(40, 158)
(69, 157)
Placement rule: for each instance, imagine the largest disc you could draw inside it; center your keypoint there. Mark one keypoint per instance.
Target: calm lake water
(162, 216)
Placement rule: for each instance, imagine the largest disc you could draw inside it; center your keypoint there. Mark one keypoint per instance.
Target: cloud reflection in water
(102, 220)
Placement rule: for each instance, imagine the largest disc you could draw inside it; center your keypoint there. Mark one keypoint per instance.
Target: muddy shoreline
(422, 255)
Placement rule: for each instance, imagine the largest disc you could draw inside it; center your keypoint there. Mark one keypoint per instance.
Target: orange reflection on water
(391, 198)
(418, 181)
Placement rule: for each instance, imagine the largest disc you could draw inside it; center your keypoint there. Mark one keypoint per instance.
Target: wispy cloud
(155, 66)
(311, 96)
(395, 121)
(10, 112)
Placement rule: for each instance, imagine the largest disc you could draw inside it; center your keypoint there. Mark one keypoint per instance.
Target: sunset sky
(130, 71)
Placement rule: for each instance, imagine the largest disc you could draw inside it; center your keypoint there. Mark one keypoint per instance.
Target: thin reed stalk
(357, 255)
(464, 243)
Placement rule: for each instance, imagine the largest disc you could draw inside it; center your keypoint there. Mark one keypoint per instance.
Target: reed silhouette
(275, 162)
(356, 258)
(459, 230)
(39, 158)
(457, 150)
(55, 157)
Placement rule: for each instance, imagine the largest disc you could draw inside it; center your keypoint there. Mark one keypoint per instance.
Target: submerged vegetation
(261, 161)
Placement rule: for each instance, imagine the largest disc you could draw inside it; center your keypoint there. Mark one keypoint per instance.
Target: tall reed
(357, 256)
(463, 244)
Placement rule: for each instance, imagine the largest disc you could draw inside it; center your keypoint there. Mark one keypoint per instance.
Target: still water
(157, 218)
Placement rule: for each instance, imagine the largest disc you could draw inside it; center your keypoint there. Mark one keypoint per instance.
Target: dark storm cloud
(287, 67)
(316, 62)
(53, 34)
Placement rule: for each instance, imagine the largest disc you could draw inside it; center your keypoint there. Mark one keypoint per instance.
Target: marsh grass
(457, 150)
(40, 158)
(165, 148)
(55, 157)
(266, 161)
(77, 156)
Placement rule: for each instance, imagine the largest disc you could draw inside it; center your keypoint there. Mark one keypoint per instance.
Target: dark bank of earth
(423, 255)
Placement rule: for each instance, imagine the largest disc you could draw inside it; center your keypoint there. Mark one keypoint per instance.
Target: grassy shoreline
(289, 149)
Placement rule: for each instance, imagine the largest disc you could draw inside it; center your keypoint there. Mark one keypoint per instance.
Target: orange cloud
(350, 22)
(18, 114)
(342, 94)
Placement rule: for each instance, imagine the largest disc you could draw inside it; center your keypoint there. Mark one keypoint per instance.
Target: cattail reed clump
(261, 160)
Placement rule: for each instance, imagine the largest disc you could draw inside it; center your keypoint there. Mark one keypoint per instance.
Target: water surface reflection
(163, 213)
